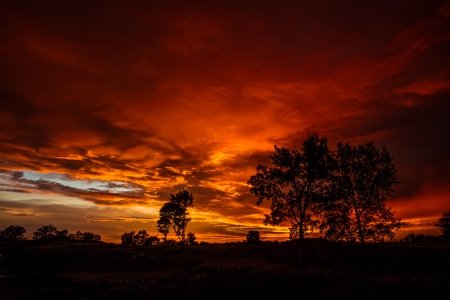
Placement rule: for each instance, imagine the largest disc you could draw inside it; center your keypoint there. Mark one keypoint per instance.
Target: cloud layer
(147, 99)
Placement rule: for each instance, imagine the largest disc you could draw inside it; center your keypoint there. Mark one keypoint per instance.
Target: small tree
(191, 239)
(444, 225)
(127, 238)
(174, 215)
(252, 237)
(12, 233)
(140, 237)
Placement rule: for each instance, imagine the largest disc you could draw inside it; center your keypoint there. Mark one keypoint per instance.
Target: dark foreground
(224, 271)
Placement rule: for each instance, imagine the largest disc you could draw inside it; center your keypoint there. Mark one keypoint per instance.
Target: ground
(70, 270)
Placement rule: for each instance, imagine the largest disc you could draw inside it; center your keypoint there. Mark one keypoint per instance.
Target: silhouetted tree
(127, 238)
(166, 215)
(12, 233)
(444, 225)
(50, 233)
(252, 237)
(362, 179)
(295, 185)
(140, 237)
(84, 236)
(174, 214)
(151, 241)
(191, 239)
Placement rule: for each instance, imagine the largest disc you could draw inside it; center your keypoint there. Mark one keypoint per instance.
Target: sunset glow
(107, 108)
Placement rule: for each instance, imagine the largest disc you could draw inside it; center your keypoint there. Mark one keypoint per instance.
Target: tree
(50, 233)
(252, 237)
(444, 225)
(140, 237)
(127, 238)
(174, 214)
(166, 216)
(191, 239)
(362, 179)
(84, 236)
(151, 240)
(295, 185)
(12, 233)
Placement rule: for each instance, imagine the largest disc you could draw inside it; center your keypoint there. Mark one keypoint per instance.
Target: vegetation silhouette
(141, 238)
(191, 239)
(84, 236)
(12, 233)
(295, 186)
(444, 225)
(361, 178)
(50, 232)
(174, 215)
(252, 237)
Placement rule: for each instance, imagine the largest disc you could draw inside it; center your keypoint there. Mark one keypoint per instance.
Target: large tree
(363, 178)
(295, 185)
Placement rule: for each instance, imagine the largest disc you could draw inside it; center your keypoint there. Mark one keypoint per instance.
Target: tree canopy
(12, 233)
(174, 215)
(362, 179)
(295, 185)
(343, 193)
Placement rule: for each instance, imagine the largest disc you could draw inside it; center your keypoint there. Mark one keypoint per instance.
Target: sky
(107, 107)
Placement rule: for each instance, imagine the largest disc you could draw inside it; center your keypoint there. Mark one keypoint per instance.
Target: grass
(68, 270)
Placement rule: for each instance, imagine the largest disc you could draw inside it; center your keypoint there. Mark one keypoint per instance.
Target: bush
(253, 237)
(12, 233)
(50, 233)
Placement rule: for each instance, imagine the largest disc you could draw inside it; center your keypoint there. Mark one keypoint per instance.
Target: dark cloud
(154, 97)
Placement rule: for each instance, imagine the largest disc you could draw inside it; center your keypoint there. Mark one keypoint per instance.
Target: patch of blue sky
(67, 180)
(38, 198)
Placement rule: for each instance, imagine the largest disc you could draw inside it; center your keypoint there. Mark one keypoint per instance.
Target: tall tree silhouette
(295, 185)
(174, 214)
(362, 180)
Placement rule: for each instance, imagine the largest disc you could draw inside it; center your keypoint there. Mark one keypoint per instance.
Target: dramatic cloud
(106, 108)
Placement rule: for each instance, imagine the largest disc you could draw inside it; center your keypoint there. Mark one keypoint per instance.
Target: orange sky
(107, 108)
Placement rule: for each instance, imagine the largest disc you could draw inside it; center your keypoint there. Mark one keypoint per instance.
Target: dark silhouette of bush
(252, 237)
(170, 242)
(127, 238)
(84, 236)
(191, 239)
(152, 241)
(140, 237)
(12, 233)
(444, 225)
(422, 238)
(50, 233)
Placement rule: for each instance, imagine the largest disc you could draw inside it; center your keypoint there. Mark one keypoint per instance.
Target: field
(69, 270)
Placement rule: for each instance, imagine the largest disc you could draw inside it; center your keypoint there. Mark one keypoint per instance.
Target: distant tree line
(47, 233)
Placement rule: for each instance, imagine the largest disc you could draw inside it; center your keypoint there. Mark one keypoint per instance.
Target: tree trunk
(301, 239)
